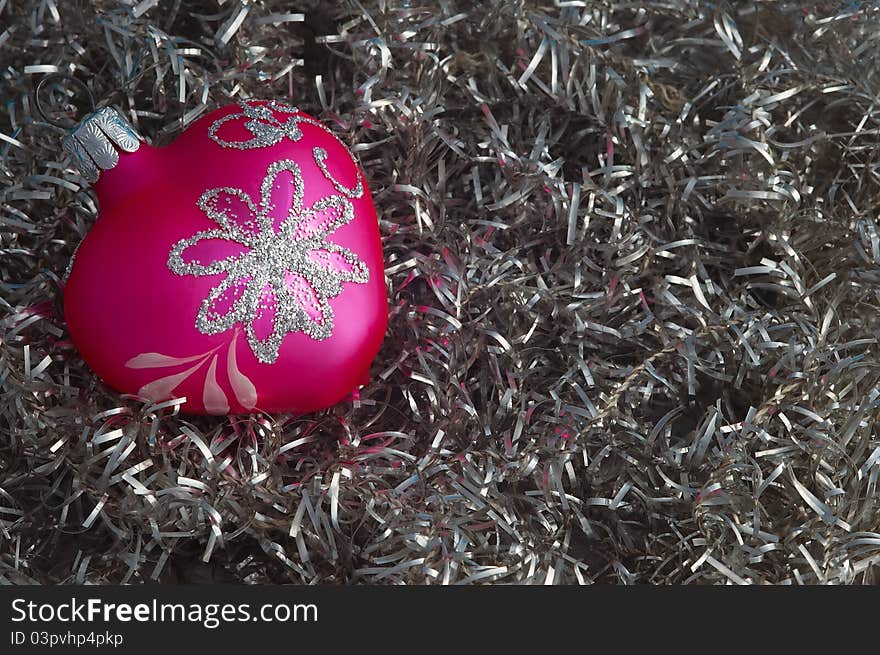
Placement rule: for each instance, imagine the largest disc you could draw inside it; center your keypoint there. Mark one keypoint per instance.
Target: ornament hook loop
(95, 141)
(60, 83)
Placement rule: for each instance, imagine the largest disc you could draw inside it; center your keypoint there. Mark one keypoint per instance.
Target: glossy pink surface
(134, 320)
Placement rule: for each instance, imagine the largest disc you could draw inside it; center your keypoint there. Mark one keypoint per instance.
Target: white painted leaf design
(244, 389)
(158, 360)
(162, 388)
(213, 398)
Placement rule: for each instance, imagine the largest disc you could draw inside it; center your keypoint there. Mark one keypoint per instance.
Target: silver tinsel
(633, 265)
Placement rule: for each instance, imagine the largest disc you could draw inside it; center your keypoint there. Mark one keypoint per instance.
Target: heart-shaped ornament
(239, 267)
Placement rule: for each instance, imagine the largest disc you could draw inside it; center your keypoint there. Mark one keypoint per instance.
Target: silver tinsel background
(633, 267)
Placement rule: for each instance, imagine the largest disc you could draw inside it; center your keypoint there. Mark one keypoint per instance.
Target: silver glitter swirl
(262, 123)
(320, 157)
(266, 129)
(269, 254)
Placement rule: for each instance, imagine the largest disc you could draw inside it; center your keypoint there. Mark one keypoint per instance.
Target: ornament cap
(94, 144)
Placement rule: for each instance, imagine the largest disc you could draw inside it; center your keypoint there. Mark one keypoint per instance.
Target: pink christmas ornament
(239, 267)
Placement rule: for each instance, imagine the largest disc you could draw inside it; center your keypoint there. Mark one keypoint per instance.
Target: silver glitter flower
(280, 269)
